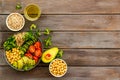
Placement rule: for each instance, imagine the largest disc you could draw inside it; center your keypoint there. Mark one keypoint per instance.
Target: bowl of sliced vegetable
(23, 51)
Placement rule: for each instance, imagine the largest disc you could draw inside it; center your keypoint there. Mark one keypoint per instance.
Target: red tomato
(32, 49)
(35, 58)
(38, 53)
(37, 45)
(28, 51)
(29, 55)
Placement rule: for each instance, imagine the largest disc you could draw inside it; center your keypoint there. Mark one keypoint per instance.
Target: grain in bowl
(58, 68)
(15, 21)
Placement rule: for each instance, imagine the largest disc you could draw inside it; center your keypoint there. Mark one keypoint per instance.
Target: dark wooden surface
(87, 30)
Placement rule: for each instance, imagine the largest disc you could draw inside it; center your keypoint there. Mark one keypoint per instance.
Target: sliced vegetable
(33, 26)
(59, 54)
(47, 42)
(18, 6)
(47, 31)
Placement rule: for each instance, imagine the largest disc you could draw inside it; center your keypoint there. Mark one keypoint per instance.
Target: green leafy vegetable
(10, 43)
(48, 42)
(47, 31)
(18, 6)
(59, 54)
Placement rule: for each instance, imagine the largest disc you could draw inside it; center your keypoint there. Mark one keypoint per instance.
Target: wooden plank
(72, 22)
(84, 57)
(67, 6)
(79, 39)
(74, 73)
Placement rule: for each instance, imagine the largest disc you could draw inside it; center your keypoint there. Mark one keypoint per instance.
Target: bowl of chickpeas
(58, 67)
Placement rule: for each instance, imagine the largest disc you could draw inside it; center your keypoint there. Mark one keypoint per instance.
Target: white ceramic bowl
(53, 73)
(16, 21)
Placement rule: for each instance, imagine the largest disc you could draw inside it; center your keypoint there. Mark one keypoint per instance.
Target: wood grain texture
(66, 6)
(71, 22)
(79, 39)
(83, 57)
(74, 73)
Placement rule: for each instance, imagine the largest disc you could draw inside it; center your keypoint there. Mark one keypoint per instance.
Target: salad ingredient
(51, 53)
(18, 6)
(25, 59)
(32, 49)
(33, 26)
(35, 58)
(29, 55)
(19, 38)
(29, 36)
(37, 45)
(59, 54)
(15, 64)
(20, 64)
(15, 21)
(48, 42)
(47, 31)
(10, 43)
(38, 53)
(24, 63)
(13, 55)
(58, 67)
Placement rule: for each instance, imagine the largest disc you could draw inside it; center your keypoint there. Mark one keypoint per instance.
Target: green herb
(18, 6)
(47, 42)
(10, 43)
(47, 31)
(59, 54)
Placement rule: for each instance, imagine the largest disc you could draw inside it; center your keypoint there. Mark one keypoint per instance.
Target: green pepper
(18, 6)
(47, 31)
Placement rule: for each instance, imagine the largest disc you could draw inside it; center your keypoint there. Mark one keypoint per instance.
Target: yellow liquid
(32, 11)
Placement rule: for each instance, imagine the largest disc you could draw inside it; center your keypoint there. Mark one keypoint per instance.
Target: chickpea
(58, 67)
(13, 55)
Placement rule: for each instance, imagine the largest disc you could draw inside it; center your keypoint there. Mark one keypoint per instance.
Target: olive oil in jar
(32, 12)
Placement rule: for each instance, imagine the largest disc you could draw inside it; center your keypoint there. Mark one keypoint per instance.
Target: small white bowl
(13, 21)
(53, 62)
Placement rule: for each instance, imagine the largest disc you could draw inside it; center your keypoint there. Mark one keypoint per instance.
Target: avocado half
(49, 54)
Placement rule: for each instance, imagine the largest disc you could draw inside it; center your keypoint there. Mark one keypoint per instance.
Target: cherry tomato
(38, 53)
(29, 55)
(35, 58)
(37, 45)
(32, 49)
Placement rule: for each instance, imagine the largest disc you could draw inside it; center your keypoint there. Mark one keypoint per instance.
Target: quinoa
(15, 21)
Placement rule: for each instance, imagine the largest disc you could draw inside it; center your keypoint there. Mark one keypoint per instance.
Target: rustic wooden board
(72, 22)
(74, 73)
(66, 6)
(84, 57)
(79, 39)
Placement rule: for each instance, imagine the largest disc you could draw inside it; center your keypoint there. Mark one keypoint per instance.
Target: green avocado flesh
(49, 54)
(24, 63)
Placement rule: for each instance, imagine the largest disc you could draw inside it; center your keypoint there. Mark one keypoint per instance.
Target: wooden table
(87, 30)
